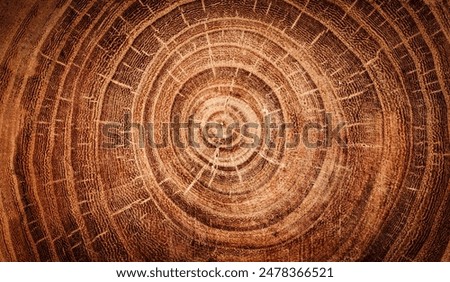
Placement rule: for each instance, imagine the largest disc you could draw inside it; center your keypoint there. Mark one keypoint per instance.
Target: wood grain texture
(68, 68)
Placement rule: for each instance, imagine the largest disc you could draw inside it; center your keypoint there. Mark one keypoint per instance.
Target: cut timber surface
(79, 181)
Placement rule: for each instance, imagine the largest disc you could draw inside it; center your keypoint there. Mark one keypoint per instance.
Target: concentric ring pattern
(83, 82)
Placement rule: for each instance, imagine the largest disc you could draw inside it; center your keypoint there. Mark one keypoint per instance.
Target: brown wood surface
(69, 68)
